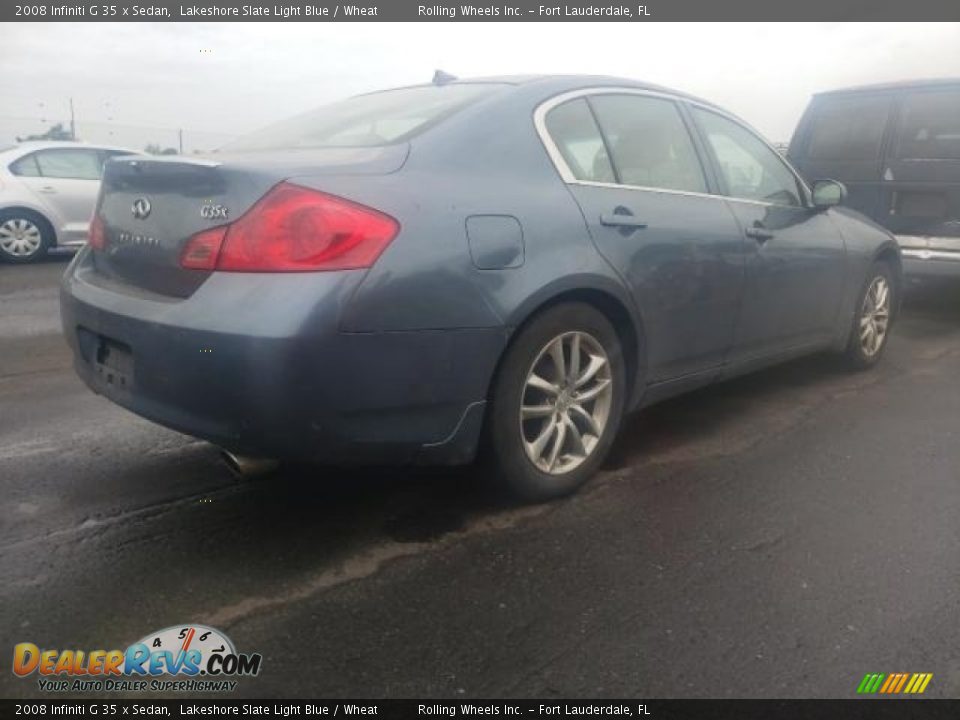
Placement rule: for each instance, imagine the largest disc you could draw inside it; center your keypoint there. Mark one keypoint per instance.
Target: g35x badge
(210, 211)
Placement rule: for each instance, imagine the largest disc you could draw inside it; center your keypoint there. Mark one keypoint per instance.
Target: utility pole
(180, 139)
(73, 123)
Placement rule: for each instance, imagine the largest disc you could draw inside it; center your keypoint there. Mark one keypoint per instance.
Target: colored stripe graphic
(894, 683)
(870, 683)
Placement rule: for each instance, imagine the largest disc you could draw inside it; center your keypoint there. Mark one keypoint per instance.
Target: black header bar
(501, 11)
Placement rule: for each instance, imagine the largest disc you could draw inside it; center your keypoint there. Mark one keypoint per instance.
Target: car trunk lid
(151, 207)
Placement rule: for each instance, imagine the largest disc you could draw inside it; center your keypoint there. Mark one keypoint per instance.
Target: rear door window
(650, 146)
(930, 126)
(848, 128)
(69, 163)
(575, 133)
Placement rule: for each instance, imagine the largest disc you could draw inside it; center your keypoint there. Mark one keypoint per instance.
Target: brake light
(294, 229)
(97, 238)
(203, 249)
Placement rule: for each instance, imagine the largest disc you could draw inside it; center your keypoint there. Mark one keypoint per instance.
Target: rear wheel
(872, 319)
(557, 402)
(24, 236)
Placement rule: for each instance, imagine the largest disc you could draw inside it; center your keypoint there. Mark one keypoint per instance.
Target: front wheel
(873, 317)
(557, 402)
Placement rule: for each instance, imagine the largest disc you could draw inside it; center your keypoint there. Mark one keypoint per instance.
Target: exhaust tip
(243, 466)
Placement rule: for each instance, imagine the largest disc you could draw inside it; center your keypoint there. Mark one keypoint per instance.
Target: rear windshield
(371, 120)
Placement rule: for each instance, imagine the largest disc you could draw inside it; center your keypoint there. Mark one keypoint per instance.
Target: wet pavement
(779, 535)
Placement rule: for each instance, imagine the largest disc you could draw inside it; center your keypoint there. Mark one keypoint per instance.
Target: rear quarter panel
(489, 162)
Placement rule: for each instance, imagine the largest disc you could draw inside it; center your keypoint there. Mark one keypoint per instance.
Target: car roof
(892, 86)
(565, 83)
(31, 145)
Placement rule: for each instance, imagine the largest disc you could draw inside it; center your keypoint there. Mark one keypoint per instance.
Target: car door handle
(761, 235)
(48, 189)
(621, 220)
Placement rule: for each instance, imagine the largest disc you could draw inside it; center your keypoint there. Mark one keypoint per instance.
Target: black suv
(897, 149)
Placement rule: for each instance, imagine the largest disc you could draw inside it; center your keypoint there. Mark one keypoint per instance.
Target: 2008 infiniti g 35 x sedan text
(410, 275)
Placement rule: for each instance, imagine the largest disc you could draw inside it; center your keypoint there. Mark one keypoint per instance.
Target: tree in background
(155, 149)
(56, 132)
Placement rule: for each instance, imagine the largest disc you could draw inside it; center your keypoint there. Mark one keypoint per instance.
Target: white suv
(47, 194)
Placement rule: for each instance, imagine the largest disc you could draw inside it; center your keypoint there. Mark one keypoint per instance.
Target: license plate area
(113, 364)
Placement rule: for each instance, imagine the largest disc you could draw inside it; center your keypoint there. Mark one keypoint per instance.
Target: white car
(47, 194)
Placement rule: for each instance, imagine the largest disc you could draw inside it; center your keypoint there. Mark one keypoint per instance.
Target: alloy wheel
(565, 404)
(875, 316)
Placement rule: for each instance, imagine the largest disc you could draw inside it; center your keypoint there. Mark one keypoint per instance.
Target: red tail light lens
(97, 238)
(294, 229)
(203, 249)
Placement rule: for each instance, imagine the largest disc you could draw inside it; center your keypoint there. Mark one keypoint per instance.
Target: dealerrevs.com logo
(188, 658)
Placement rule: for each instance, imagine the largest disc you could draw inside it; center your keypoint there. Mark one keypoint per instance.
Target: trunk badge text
(127, 238)
(141, 208)
(210, 211)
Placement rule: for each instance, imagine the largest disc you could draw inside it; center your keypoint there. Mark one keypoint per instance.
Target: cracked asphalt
(776, 536)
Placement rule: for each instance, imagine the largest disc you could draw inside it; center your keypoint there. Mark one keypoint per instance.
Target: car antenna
(442, 78)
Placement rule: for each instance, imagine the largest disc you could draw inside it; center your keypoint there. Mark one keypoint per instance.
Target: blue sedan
(509, 264)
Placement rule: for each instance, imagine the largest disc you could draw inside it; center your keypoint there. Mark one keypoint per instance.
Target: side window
(649, 142)
(26, 166)
(930, 126)
(848, 128)
(749, 168)
(577, 137)
(69, 163)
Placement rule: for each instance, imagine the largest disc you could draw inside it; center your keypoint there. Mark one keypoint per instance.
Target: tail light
(97, 238)
(202, 249)
(294, 229)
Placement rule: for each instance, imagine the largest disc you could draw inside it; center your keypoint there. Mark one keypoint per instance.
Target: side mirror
(828, 193)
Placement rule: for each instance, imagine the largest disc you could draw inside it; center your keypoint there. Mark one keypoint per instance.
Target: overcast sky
(233, 77)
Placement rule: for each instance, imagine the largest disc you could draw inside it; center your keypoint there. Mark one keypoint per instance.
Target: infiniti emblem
(141, 208)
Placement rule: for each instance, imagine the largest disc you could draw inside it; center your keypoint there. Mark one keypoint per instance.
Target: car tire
(873, 317)
(25, 236)
(557, 402)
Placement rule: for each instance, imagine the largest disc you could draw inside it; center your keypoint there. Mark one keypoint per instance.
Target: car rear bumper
(256, 364)
(931, 262)
(922, 256)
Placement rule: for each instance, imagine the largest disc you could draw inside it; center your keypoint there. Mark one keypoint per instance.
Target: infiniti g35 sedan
(500, 267)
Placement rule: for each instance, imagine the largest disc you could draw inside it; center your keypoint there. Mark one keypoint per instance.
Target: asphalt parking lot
(777, 536)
